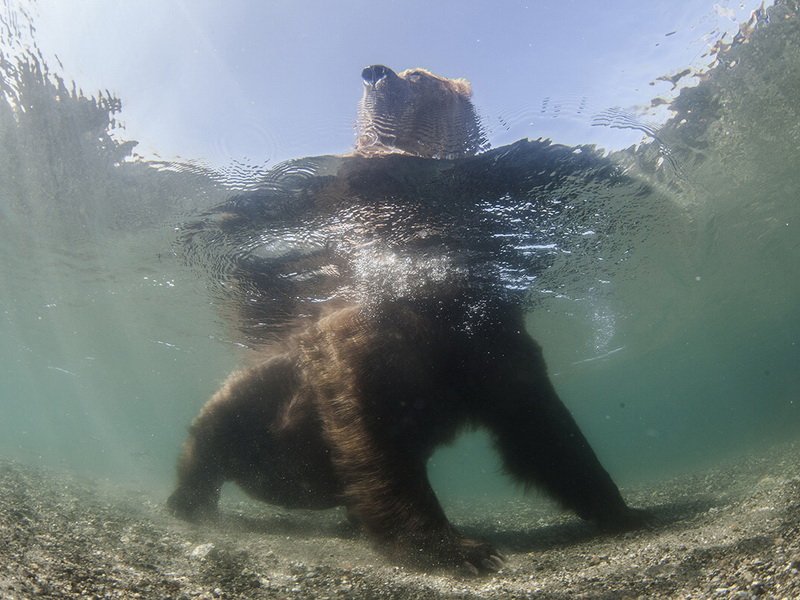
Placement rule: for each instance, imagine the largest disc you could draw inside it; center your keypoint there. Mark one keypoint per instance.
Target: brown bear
(347, 408)
(417, 113)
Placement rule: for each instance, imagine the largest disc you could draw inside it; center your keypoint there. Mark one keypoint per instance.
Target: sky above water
(258, 81)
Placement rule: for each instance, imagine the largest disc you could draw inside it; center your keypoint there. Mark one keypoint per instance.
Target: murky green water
(683, 353)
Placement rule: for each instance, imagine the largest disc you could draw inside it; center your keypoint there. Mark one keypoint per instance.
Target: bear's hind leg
(227, 439)
(199, 482)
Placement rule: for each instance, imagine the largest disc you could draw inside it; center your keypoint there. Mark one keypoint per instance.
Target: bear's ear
(462, 87)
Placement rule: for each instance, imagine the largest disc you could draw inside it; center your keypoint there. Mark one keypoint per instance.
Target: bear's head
(418, 113)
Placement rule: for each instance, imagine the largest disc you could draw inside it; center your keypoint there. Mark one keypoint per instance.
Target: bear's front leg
(540, 441)
(386, 488)
(391, 496)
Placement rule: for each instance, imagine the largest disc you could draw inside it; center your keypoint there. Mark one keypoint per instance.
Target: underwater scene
(385, 219)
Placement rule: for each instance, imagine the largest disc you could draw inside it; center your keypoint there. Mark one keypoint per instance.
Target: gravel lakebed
(729, 532)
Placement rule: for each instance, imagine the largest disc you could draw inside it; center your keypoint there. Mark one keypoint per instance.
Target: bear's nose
(374, 73)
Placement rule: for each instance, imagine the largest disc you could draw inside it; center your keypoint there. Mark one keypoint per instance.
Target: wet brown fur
(418, 113)
(349, 409)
